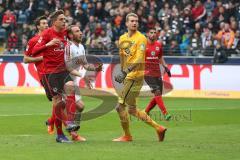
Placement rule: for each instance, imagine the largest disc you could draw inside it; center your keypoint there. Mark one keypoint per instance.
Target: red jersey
(154, 52)
(28, 52)
(53, 56)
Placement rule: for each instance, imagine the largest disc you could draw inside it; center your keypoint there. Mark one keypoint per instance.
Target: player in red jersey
(29, 56)
(153, 77)
(56, 78)
(37, 58)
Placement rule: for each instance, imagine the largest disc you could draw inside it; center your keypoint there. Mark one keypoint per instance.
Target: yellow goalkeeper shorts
(130, 91)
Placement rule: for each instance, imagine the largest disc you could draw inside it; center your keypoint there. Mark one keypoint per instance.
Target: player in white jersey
(75, 58)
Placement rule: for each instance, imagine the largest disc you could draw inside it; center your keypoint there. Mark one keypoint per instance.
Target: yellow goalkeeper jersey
(132, 51)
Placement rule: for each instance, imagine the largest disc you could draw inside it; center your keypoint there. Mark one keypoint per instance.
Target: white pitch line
(19, 115)
(18, 135)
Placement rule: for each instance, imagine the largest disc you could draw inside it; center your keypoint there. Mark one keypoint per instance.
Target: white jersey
(74, 58)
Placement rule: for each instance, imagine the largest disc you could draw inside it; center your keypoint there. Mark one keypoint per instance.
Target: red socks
(59, 118)
(53, 116)
(151, 105)
(161, 105)
(70, 107)
(156, 100)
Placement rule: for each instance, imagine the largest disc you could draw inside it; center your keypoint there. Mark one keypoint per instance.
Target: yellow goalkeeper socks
(123, 115)
(144, 117)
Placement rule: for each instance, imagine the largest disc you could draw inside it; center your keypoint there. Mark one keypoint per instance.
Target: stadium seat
(22, 18)
(3, 33)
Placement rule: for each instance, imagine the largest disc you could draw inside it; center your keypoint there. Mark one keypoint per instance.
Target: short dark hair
(151, 28)
(55, 14)
(38, 20)
(69, 28)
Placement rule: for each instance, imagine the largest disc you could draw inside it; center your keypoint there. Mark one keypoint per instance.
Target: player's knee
(57, 100)
(69, 87)
(119, 107)
(132, 110)
(157, 93)
(60, 104)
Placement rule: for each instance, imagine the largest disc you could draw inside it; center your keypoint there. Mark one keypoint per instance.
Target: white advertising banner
(220, 79)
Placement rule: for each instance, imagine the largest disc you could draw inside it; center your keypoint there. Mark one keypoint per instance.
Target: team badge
(55, 89)
(142, 47)
(61, 45)
(157, 48)
(153, 53)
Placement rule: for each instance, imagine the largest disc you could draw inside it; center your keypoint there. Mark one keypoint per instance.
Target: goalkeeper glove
(99, 67)
(167, 71)
(120, 77)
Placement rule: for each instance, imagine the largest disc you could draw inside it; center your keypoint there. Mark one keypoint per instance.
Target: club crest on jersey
(153, 53)
(142, 47)
(61, 45)
(55, 89)
(157, 48)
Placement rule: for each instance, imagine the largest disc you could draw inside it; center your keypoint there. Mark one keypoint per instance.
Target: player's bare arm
(28, 59)
(162, 61)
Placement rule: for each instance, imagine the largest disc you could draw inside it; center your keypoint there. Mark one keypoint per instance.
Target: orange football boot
(123, 139)
(76, 137)
(161, 133)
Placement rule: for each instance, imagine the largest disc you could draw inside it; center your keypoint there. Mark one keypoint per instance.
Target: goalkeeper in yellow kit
(132, 46)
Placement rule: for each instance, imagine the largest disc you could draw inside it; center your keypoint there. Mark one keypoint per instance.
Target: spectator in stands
(235, 50)
(233, 24)
(195, 45)
(69, 17)
(9, 21)
(209, 6)
(164, 13)
(99, 12)
(104, 42)
(184, 46)
(198, 11)
(222, 16)
(226, 37)
(173, 49)
(81, 16)
(198, 29)
(1, 13)
(207, 42)
(151, 22)
(12, 43)
(172, 16)
(186, 19)
(92, 24)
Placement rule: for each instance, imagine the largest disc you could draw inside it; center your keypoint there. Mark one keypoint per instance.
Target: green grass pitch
(201, 129)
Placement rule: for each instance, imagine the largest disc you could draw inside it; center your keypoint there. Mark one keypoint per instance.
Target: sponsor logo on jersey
(152, 58)
(60, 48)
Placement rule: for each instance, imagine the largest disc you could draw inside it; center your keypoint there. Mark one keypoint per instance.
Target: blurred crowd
(185, 27)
